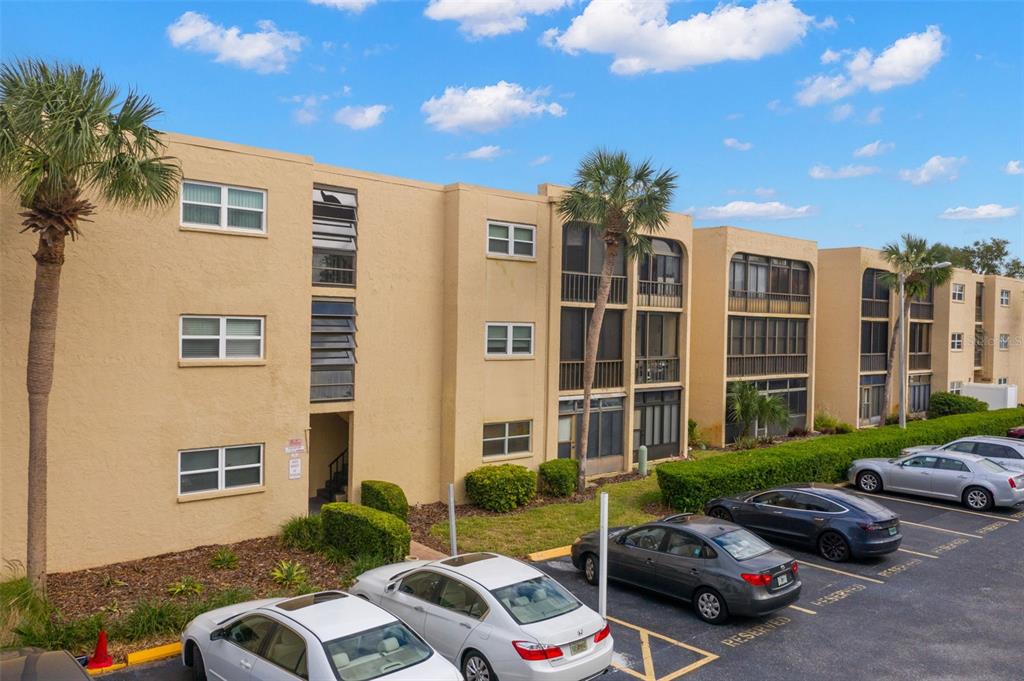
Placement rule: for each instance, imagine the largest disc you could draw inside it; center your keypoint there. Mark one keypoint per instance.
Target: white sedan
(327, 635)
(494, 617)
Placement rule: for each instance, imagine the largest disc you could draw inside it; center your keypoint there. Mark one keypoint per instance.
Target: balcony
(580, 287)
(766, 365)
(875, 308)
(979, 314)
(919, 310)
(769, 303)
(920, 360)
(607, 374)
(657, 370)
(659, 294)
(873, 361)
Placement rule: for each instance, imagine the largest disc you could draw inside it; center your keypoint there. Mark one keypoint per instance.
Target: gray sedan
(718, 566)
(977, 482)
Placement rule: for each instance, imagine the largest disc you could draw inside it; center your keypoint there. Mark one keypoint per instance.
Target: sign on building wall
(295, 446)
(294, 468)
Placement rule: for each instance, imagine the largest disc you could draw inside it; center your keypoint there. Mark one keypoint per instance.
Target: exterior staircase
(336, 486)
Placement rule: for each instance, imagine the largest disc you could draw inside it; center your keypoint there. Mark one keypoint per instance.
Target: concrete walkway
(425, 552)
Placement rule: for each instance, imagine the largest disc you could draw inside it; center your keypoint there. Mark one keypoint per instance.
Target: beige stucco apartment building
(289, 329)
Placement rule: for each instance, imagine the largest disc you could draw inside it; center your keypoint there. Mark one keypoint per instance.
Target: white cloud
(987, 211)
(487, 152)
(769, 210)
(830, 56)
(489, 18)
(776, 106)
(841, 112)
(906, 61)
(935, 168)
(876, 148)
(733, 143)
(361, 117)
(268, 50)
(827, 23)
(354, 6)
(1013, 168)
(640, 37)
(874, 116)
(764, 192)
(309, 108)
(823, 172)
(483, 109)
(540, 160)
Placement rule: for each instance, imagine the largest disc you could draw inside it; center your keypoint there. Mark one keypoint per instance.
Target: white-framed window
(1004, 341)
(1002, 381)
(211, 337)
(959, 293)
(956, 386)
(1004, 297)
(509, 238)
(956, 341)
(507, 438)
(509, 339)
(219, 468)
(216, 206)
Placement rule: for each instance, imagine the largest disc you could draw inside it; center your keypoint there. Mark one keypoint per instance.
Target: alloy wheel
(709, 605)
(476, 669)
(590, 569)
(720, 513)
(833, 547)
(977, 499)
(868, 482)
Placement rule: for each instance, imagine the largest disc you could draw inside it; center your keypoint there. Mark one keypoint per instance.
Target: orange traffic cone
(100, 659)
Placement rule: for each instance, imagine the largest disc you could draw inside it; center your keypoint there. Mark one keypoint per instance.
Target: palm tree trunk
(891, 369)
(39, 380)
(611, 248)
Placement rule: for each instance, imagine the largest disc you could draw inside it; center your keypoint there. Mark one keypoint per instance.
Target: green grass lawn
(547, 527)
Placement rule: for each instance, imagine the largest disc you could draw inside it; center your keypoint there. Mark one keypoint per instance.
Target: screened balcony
(766, 285)
(608, 372)
(582, 260)
(660, 275)
(875, 295)
(760, 346)
(657, 347)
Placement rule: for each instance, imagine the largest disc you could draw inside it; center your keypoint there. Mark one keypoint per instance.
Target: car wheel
(833, 546)
(977, 499)
(475, 667)
(198, 665)
(590, 568)
(710, 606)
(868, 481)
(721, 513)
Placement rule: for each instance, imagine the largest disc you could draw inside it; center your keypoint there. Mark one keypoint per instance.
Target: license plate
(782, 580)
(892, 531)
(578, 647)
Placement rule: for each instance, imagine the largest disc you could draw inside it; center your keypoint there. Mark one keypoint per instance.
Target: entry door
(871, 404)
(566, 436)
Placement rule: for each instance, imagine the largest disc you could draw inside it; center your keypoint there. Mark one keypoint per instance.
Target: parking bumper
(763, 603)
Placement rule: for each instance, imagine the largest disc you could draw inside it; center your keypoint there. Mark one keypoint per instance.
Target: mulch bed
(121, 585)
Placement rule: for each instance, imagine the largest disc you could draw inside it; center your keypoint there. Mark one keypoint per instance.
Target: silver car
(1006, 450)
(977, 482)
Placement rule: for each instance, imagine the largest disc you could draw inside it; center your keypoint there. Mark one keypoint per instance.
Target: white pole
(602, 560)
(903, 353)
(451, 518)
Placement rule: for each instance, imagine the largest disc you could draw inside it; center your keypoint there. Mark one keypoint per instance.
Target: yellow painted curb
(151, 654)
(550, 554)
(111, 668)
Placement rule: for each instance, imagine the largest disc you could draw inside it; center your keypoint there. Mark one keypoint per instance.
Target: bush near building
(501, 488)
(947, 404)
(688, 485)
(558, 476)
(385, 496)
(359, 530)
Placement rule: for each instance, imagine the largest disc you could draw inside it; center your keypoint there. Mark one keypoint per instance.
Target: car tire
(977, 499)
(710, 606)
(475, 667)
(869, 481)
(834, 547)
(591, 568)
(198, 664)
(720, 512)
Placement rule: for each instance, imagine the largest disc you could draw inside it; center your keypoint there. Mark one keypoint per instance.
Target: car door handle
(694, 571)
(777, 512)
(962, 477)
(419, 608)
(245, 664)
(463, 624)
(818, 520)
(649, 560)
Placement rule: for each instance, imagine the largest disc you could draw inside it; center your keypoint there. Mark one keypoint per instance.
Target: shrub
(303, 532)
(842, 428)
(947, 404)
(289, 573)
(693, 436)
(224, 559)
(558, 476)
(746, 442)
(687, 485)
(357, 530)
(364, 563)
(501, 488)
(186, 586)
(825, 422)
(385, 496)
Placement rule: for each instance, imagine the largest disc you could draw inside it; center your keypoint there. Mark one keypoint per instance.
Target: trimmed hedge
(947, 404)
(501, 488)
(385, 496)
(558, 476)
(359, 530)
(688, 485)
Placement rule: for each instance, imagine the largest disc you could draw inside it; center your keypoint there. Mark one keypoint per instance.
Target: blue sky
(760, 107)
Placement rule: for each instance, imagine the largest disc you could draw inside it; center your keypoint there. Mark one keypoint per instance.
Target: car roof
(1012, 441)
(489, 570)
(948, 454)
(330, 614)
(826, 491)
(703, 525)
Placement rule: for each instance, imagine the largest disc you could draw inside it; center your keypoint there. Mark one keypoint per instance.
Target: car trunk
(573, 632)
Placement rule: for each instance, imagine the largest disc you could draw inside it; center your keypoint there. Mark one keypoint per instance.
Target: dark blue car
(836, 524)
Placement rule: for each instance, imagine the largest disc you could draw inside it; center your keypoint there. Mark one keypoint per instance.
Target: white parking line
(840, 572)
(941, 529)
(917, 553)
(943, 508)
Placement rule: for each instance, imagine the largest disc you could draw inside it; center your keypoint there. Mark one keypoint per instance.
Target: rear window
(535, 600)
(741, 544)
(376, 652)
(868, 506)
(990, 466)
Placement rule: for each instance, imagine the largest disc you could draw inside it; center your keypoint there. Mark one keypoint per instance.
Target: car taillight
(794, 567)
(603, 634)
(1013, 484)
(761, 579)
(869, 527)
(531, 651)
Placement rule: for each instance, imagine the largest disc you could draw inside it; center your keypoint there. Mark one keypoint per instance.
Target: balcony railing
(766, 365)
(874, 308)
(607, 374)
(922, 310)
(659, 294)
(920, 360)
(579, 287)
(770, 303)
(873, 361)
(979, 313)
(657, 370)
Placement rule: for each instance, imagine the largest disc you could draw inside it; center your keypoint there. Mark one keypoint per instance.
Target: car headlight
(577, 540)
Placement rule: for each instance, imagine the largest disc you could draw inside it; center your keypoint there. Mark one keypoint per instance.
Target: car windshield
(991, 466)
(742, 544)
(376, 652)
(535, 600)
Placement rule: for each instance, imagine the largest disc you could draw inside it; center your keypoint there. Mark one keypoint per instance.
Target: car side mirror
(218, 634)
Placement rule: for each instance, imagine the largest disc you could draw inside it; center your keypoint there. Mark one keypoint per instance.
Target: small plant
(842, 428)
(224, 559)
(693, 435)
(558, 476)
(825, 422)
(303, 532)
(186, 586)
(109, 581)
(745, 442)
(365, 562)
(289, 573)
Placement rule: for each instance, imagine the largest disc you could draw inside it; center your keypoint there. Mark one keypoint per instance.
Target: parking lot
(947, 605)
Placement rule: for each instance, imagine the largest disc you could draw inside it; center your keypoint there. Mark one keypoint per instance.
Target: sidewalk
(424, 552)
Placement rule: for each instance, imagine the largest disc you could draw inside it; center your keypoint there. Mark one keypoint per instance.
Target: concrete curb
(142, 657)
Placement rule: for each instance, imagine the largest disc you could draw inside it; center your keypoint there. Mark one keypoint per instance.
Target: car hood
(572, 626)
(879, 459)
(373, 582)
(918, 448)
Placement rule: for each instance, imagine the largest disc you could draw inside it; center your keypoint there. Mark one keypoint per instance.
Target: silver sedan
(975, 481)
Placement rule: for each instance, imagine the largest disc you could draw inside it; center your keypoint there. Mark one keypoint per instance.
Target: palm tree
(913, 258)
(750, 408)
(622, 204)
(64, 135)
